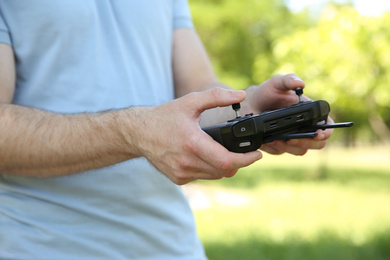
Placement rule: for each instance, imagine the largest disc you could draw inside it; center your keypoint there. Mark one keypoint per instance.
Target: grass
(330, 204)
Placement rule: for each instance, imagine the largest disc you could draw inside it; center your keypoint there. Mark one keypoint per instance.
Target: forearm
(43, 144)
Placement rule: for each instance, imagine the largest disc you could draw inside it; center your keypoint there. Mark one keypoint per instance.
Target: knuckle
(192, 95)
(231, 173)
(191, 98)
(277, 152)
(185, 165)
(301, 152)
(277, 77)
(191, 143)
(322, 145)
(180, 177)
(180, 181)
(225, 165)
(216, 93)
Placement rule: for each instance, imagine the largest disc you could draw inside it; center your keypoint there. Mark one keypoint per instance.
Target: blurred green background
(328, 204)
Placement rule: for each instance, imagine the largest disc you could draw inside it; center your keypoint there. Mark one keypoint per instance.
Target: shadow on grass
(253, 177)
(327, 247)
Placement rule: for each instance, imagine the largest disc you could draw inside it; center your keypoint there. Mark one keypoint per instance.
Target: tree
(237, 32)
(342, 56)
(346, 61)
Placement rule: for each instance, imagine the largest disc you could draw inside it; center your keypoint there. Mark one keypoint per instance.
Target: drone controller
(247, 133)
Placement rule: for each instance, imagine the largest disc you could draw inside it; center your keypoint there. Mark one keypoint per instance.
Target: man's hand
(174, 143)
(275, 93)
(193, 72)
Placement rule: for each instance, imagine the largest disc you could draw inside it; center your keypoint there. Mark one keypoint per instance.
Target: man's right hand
(170, 137)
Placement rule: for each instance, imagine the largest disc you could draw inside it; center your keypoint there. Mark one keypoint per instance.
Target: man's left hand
(275, 93)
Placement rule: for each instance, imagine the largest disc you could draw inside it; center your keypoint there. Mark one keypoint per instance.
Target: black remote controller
(247, 133)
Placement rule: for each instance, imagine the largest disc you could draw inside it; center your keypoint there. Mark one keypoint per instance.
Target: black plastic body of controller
(249, 132)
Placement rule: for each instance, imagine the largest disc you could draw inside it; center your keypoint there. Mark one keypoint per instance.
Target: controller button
(245, 128)
(244, 144)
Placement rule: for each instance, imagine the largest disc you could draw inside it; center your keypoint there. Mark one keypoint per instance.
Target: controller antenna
(299, 92)
(236, 107)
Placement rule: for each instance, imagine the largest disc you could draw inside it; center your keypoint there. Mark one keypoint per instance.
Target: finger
(288, 82)
(325, 134)
(269, 148)
(278, 92)
(197, 176)
(206, 176)
(216, 97)
(197, 168)
(284, 146)
(217, 172)
(223, 160)
(187, 169)
(306, 144)
(212, 159)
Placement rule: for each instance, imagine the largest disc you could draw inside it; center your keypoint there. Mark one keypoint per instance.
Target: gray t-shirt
(78, 56)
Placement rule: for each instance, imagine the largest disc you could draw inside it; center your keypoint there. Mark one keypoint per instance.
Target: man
(89, 119)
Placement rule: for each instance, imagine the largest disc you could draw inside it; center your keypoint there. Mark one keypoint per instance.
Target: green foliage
(327, 246)
(279, 208)
(344, 60)
(343, 57)
(296, 221)
(236, 32)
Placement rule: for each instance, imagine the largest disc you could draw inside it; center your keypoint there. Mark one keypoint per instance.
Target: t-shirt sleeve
(4, 33)
(182, 15)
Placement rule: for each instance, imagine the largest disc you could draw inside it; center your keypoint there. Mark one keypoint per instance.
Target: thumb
(217, 97)
(287, 82)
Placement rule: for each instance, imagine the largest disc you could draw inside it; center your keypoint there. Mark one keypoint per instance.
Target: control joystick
(236, 107)
(247, 133)
(299, 92)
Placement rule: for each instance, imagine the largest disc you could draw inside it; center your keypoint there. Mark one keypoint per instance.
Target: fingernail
(321, 136)
(295, 77)
(239, 92)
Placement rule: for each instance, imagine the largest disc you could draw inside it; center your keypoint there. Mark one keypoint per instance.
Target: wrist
(132, 127)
